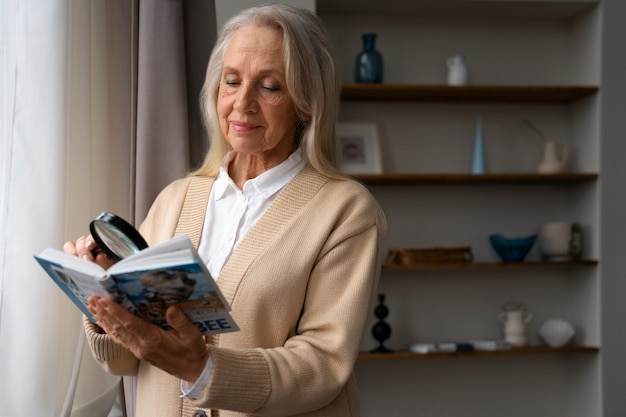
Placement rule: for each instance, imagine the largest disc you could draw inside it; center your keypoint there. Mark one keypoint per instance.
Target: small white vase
(554, 158)
(457, 70)
(515, 326)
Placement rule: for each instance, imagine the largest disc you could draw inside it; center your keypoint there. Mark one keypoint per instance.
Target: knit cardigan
(301, 285)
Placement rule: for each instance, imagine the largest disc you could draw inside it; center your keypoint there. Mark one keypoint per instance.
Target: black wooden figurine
(381, 330)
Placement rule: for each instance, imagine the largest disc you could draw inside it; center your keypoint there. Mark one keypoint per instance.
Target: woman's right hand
(86, 247)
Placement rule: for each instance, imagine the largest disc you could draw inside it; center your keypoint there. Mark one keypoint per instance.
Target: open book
(146, 283)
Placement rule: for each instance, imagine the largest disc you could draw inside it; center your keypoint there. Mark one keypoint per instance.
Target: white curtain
(54, 158)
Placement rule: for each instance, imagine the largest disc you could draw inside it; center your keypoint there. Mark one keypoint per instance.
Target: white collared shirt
(231, 213)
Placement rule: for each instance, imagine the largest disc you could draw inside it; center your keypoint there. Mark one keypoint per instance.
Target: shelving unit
(490, 265)
(477, 93)
(532, 350)
(442, 179)
(528, 59)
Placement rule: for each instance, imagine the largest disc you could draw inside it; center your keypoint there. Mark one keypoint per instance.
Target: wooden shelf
(488, 265)
(403, 92)
(531, 350)
(558, 11)
(440, 179)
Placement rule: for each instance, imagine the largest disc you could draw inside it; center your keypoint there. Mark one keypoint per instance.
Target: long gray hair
(311, 77)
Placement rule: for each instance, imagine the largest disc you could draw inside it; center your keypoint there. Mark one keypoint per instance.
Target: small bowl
(556, 332)
(512, 249)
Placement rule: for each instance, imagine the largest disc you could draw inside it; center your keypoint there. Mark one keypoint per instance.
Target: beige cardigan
(302, 286)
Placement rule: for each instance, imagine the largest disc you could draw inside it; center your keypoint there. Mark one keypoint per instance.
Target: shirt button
(199, 413)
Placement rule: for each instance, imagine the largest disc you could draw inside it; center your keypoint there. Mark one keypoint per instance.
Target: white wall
(613, 203)
(533, 47)
(225, 9)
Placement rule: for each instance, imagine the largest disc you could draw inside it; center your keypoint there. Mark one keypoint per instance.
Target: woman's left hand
(180, 352)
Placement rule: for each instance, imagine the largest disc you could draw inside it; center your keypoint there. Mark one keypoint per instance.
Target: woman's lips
(241, 127)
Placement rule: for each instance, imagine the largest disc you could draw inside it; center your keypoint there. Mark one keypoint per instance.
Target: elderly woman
(294, 245)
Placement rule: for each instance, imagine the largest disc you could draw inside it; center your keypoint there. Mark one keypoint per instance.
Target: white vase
(515, 326)
(554, 158)
(457, 70)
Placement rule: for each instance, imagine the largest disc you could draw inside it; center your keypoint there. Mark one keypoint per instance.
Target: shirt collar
(268, 183)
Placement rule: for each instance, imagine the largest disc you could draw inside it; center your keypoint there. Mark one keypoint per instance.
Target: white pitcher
(515, 326)
(554, 158)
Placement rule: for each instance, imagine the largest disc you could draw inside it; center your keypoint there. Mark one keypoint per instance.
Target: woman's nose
(246, 100)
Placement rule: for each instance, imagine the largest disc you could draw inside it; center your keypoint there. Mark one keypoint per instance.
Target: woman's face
(257, 115)
(171, 288)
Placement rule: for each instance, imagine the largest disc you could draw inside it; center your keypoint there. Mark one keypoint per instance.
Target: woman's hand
(180, 352)
(86, 247)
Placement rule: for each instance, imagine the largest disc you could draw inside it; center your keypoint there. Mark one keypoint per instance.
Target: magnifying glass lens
(117, 238)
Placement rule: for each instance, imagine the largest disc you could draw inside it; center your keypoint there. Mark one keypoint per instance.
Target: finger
(93, 299)
(115, 320)
(109, 308)
(83, 248)
(92, 249)
(87, 248)
(108, 312)
(92, 303)
(97, 255)
(102, 258)
(181, 323)
(70, 248)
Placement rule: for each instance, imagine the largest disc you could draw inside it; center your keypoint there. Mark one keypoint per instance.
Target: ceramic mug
(560, 241)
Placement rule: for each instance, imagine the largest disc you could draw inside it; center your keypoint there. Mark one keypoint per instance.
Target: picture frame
(359, 148)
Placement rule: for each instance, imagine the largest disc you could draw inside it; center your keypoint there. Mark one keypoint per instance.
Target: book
(472, 345)
(441, 347)
(491, 345)
(146, 283)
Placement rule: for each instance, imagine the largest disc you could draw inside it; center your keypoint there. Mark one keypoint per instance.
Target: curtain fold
(40, 331)
(162, 147)
(92, 110)
(158, 53)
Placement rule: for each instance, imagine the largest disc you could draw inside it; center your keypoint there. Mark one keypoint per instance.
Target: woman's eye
(271, 87)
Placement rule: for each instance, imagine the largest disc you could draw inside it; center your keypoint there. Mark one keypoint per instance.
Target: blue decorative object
(512, 249)
(369, 63)
(479, 165)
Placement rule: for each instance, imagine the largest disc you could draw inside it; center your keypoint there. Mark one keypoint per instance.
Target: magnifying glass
(115, 236)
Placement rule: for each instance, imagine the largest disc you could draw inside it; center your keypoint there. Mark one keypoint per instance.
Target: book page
(77, 285)
(170, 246)
(147, 283)
(185, 284)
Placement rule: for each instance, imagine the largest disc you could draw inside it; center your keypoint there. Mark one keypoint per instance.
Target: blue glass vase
(369, 63)
(479, 164)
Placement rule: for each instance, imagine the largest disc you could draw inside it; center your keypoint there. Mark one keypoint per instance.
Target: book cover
(146, 283)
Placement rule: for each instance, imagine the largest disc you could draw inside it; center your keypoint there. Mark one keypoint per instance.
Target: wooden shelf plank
(485, 93)
(531, 350)
(558, 11)
(489, 265)
(504, 178)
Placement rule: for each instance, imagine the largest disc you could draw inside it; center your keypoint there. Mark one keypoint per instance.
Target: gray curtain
(157, 55)
(158, 52)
